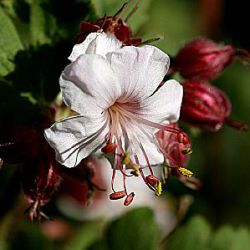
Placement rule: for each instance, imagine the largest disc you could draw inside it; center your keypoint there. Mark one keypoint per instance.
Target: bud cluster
(199, 61)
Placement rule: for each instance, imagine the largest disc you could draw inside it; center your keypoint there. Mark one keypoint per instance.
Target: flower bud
(82, 182)
(203, 59)
(40, 178)
(207, 107)
(175, 146)
(109, 24)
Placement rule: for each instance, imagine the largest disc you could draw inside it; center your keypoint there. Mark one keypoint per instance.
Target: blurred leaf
(85, 236)
(14, 108)
(194, 235)
(99, 245)
(10, 44)
(38, 70)
(30, 237)
(230, 239)
(136, 230)
(56, 20)
(3, 245)
(42, 24)
(197, 234)
(176, 21)
(111, 7)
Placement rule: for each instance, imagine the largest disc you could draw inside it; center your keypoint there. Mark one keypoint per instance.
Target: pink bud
(206, 107)
(129, 199)
(203, 59)
(117, 195)
(175, 146)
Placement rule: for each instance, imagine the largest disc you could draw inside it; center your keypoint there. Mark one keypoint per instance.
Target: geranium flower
(120, 108)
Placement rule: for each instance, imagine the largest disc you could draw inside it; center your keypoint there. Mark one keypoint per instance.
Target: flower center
(124, 119)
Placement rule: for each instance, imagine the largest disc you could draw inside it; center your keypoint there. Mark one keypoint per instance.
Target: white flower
(116, 96)
(95, 43)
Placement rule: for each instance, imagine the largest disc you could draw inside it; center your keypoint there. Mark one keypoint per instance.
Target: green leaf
(85, 236)
(56, 20)
(197, 234)
(10, 44)
(136, 230)
(193, 236)
(230, 239)
(39, 23)
(3, 245)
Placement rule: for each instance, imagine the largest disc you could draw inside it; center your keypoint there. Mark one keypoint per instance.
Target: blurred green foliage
(197, 234)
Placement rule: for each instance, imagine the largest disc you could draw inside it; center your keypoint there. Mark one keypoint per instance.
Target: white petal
(164, 105)
(75, 138)
(95, 43)
(91, 77)
(143, 144)
(139, 70)
(79, 101)
(154, 156)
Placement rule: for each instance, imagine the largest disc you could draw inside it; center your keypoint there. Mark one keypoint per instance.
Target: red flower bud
(129, 199)
(110, 24)
(82, 182)
(175, 147)
(203, 59)
(41, 177)
(117, 195)
(207, 107)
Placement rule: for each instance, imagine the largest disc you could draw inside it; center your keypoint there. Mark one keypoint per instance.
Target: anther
(136, 171)
(152, 180)
(126, 158)
(186, 151)
(185, 172)
(129, 199)
(158, 188)
(117, 195)
(109, 148)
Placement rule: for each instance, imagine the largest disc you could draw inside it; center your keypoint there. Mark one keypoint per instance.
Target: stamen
(117, 195)
(185, 172)
(121, 10)
(146, 158)
(152, 180)
(149, 123)
(129, 199)
(113, 174)
(155, 184)
(148, 41)
(186, 151)
(158, 189)
(126, 158)
(131, 13)
(109, 148)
